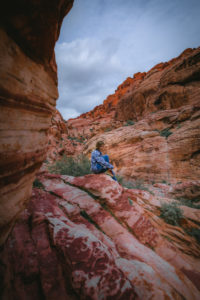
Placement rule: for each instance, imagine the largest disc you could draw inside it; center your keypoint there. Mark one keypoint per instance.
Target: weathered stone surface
(28, 91)
(90, 238)
(59, 141)
(171, 86)
(162, 139)
(143, 151)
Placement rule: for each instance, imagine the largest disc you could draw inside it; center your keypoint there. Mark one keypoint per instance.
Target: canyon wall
(28, 91)
(151, 125)
(59, 140)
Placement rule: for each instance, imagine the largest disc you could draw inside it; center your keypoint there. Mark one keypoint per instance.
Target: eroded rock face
(90, 238)
(28, 89)
(144, 151)
(59, 140)
(151, 125)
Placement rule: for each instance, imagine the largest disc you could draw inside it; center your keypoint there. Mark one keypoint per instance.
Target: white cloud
(88, 71)
(68, 113)
(102, 42)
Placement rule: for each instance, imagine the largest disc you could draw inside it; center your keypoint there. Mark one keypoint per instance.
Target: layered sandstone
(28, 91)
(90, 238)
(151, 125)
(59, 140)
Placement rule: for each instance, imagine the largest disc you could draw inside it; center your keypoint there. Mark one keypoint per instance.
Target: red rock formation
(28, 89)
(59, 141)
(142, 94)
(167, 86)
(102, 117)
(163, 142)
(90, 238)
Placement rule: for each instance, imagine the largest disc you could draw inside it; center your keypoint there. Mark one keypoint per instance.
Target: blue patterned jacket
(98, 159)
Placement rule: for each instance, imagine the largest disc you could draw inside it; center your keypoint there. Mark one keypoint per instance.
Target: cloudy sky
(102, 42)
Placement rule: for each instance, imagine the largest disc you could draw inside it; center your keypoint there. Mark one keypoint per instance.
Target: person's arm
(101, 161)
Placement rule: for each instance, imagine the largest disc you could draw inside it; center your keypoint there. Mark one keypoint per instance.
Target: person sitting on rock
(100, 163)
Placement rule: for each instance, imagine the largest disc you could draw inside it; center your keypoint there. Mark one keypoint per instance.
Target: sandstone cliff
(28, 90)
(59, 140)
(90, 238)
(151, 125)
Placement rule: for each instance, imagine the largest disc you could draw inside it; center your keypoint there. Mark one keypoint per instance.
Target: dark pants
(102, 169)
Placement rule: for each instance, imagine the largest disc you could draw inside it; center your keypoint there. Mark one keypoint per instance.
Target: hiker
(100, 163)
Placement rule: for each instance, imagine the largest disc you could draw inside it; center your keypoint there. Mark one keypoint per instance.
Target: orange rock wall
(28, 91)
(59, 140)
(163, 142)
(166, 86)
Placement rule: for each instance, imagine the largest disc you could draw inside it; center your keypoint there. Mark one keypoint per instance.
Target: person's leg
(106, 157)
(100, 168)
(114, 177)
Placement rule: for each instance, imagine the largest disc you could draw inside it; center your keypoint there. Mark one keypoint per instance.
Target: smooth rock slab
(73, 242)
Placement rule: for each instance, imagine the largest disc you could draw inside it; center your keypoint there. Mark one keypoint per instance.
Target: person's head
(100, 145)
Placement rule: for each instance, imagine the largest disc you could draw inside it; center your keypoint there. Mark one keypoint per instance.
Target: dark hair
(99, 144)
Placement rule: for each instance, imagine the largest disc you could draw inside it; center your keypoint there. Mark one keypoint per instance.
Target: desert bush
(74, 166)
(119, 179)
(171, 213)
(129, 123)
(72, 138)
(138, 184)
(38, 184)
(125, 183)
(165, 132)
(195, 232)
(189, 202)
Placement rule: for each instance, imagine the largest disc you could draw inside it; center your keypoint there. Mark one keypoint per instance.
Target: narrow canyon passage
(86, 236)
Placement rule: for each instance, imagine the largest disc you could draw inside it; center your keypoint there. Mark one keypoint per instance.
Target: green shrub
(38, 184)
(138, 184)
(78, 166)
(171, 213)
(164, 181)
(119, 179)
(130, 201)
(73, 138)
(195, 232)
(165, 132)
(129, 123)
(125, 183)
(190, 203)
(129, 184)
